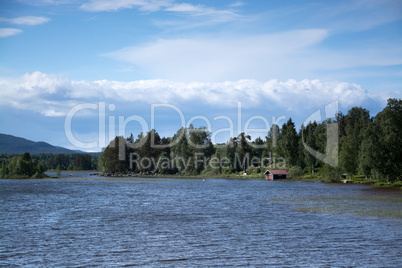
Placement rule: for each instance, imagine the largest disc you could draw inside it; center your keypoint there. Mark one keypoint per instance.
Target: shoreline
(91, 173)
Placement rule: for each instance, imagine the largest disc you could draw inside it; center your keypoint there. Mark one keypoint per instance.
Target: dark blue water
(172, 222)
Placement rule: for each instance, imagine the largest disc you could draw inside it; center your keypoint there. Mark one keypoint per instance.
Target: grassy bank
(73, 171)
(261, 176)
(19, 177)
(242, 175)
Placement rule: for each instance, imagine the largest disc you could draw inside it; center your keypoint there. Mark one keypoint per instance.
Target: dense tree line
(369, 146)
(34, 165)
(22, 167)
(72, 162)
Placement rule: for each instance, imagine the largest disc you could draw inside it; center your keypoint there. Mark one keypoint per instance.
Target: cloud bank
(54, 96)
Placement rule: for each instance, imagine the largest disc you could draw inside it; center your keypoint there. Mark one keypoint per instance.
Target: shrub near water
(295, 172)
(22, 167)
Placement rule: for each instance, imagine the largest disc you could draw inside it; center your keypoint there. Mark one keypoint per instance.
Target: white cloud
(199, 10)
(156, 5)
(185, 8)
(190, 15)
(203, 59)
(114, 5)
(54, 96)
(292, 54)
(237, 4)
(27, 20)
(5, 32)
(48, 2)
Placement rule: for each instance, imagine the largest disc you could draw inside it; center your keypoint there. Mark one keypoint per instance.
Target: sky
(77, 73)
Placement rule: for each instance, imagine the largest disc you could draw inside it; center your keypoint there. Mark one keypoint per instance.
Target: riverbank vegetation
(22, 167)
(34, 166)
(370, 148)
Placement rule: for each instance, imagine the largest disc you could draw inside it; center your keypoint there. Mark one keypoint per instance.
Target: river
(83, 220)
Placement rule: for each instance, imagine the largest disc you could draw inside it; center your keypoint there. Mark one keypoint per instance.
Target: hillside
(15, 145)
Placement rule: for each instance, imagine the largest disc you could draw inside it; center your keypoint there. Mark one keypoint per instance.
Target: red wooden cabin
(275, 174)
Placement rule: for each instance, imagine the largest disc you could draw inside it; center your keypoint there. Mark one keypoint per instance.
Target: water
(190, 222)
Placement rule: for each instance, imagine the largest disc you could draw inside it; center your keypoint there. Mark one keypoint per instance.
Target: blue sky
(279, 59)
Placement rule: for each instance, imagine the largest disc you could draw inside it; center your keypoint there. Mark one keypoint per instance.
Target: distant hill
(15, 145)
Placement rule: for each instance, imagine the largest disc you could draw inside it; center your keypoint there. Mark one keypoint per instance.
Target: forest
(368, 146)
(34, 166)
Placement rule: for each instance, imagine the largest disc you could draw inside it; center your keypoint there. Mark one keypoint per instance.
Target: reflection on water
(177, 222)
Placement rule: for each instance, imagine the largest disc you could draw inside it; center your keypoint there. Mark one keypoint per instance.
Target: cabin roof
(276, 172)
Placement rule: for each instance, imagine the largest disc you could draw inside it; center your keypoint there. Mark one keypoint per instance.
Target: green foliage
(72, 162)
(82, 162)
(389, 123)
(253, 170)
(164, 164)
(355, 124)
(244, 150)
(24, 164)
(347, 156)
(22, 167)
(368, 146)
(289, 143)
(330, 174)
(115, 156)
(295, 172)
(4, 171)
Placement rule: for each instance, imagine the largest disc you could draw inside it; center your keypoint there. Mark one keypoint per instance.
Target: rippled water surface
(190, 222)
